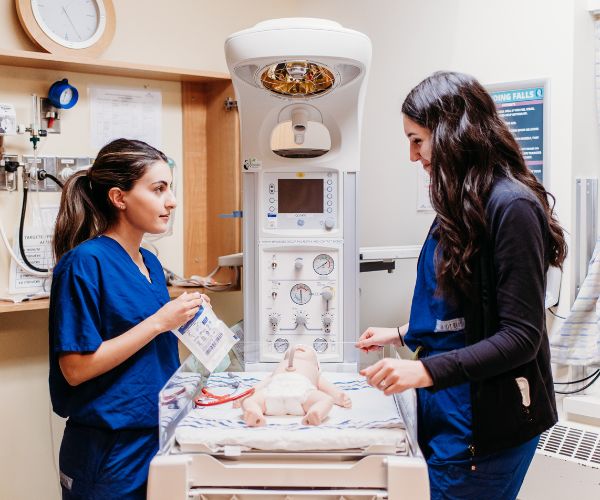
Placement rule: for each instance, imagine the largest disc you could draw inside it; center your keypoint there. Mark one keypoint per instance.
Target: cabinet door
(212, 178)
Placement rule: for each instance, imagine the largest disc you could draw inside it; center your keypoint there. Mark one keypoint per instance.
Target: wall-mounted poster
(522, 106)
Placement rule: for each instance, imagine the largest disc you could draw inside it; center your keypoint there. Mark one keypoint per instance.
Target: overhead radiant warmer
(300, 85)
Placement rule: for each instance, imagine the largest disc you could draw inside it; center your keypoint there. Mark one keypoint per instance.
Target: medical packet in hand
(207, 337)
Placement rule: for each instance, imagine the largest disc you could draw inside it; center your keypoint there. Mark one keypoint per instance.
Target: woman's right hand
(177, 312)
(376, 337)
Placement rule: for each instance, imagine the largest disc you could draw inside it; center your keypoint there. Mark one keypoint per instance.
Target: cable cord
(206, 282)
(16, 259)
(21, 246)
(582, 388)
(51, 177)
(554, 314)
(578, 381)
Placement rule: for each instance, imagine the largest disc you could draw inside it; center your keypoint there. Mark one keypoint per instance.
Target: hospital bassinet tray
(368, 451)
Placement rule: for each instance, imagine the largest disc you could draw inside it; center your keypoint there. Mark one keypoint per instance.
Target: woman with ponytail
(477, 320)
(109, 309)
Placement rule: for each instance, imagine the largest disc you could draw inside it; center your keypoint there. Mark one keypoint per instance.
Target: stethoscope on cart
(209, 399)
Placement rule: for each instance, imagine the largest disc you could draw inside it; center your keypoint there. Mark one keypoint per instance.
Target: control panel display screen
(300, 196)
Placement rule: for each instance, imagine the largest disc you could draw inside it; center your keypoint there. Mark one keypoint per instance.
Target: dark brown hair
(471, 145)
(85, 208)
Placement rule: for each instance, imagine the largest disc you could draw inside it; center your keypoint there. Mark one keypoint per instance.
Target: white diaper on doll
(295, 387)
(286, 393)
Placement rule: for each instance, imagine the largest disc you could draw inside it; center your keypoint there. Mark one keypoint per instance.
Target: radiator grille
(571, 443)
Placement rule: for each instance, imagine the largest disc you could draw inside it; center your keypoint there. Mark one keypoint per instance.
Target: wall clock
(68, 27)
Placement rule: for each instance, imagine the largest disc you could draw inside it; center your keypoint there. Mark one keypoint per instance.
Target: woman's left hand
(396, 375)
(205, 299)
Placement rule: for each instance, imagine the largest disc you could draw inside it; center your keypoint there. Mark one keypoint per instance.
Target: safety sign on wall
(522, 108)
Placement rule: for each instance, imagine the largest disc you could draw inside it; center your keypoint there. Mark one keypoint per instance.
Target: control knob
(301, 319)
(274, 320)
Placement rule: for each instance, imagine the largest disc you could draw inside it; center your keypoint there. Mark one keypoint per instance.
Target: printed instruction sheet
(128, 113)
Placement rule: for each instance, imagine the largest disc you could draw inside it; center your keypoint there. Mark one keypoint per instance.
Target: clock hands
(72, 24)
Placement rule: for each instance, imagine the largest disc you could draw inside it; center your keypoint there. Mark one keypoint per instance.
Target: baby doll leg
(340, 398)
(254, 409)
(317, 406)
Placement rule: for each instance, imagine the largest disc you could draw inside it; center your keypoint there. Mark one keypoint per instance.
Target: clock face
(76, 24)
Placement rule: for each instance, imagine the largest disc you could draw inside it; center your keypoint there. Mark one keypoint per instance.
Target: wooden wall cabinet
(212, 178)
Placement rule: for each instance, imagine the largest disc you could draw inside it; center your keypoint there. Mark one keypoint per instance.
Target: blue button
(301, 222)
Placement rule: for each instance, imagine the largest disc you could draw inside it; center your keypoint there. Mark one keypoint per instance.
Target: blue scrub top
(444, 417)
(97, 294)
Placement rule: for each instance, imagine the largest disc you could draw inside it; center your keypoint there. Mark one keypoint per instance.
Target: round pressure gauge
(300, 293)
(281, 345)
(320, 344)
(63, 95)
(323, 264)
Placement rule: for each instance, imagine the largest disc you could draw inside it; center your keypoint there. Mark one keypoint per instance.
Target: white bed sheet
(372, 424)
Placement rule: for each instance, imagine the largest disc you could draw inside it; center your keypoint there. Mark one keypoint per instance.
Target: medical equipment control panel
(300, 201)
(302, 297)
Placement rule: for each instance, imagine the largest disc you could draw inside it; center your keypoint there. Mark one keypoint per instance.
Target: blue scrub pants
(102, 464)
(498, 476)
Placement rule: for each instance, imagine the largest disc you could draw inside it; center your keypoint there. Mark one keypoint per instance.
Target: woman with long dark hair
(477, 320)
(109, 307)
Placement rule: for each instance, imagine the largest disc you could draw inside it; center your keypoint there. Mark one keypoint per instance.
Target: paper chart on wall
(128, 113)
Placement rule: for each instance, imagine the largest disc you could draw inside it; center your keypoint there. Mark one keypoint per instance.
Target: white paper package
(207, 337)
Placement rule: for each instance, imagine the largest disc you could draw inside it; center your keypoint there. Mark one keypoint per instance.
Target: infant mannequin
(295, 387)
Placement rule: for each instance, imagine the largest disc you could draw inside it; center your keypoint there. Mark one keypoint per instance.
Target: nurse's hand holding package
(179, 311)
(109, 311)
